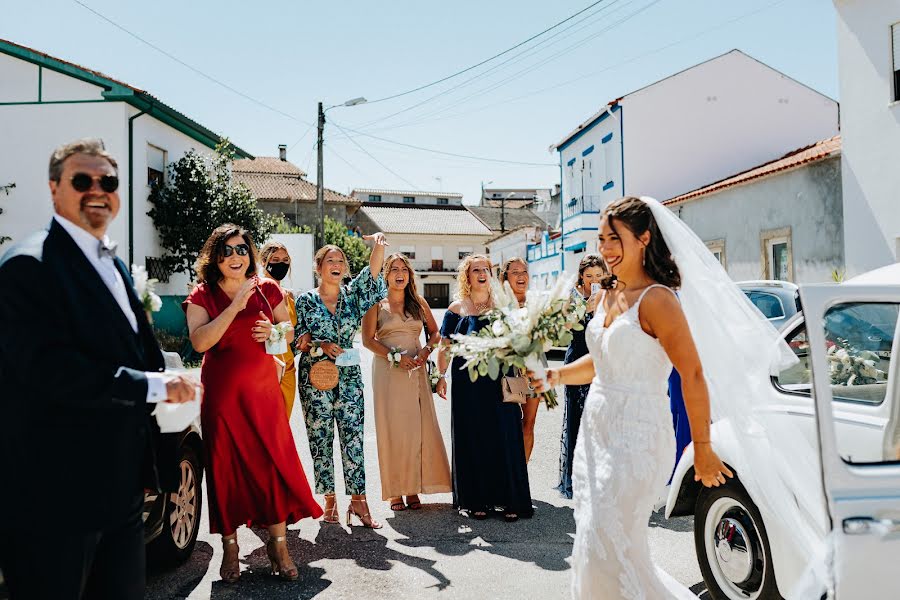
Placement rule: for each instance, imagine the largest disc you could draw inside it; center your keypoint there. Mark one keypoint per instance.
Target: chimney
(282, 151)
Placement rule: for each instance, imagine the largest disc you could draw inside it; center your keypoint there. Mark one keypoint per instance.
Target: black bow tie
(107, 250)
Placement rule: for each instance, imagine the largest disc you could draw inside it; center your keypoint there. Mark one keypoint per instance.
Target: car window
(768, 304)
(859, 337)
(796, 378)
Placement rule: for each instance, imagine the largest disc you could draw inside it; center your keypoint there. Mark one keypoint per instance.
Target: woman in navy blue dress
(489, 468)
(590, 270)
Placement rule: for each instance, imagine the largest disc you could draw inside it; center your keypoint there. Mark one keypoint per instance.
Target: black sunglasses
(83, 182)
(241, 249)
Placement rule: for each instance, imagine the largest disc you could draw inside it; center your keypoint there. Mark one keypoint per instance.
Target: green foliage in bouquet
(848, 365)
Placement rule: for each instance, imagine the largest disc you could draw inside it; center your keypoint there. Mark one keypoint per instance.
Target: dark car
(171, 521)
(778, 301)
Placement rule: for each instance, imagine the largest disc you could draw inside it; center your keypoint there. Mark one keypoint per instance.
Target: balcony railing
(584, 204)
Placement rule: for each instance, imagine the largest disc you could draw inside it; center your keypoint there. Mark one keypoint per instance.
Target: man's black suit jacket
(77, 444)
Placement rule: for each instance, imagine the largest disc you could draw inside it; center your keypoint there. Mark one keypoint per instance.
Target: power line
(424, 118)
(386, 168)
(485, 61)
(346, 162)
(300, 139)
(511, 60)
(537, 65)
(432, 150)
(191, 67)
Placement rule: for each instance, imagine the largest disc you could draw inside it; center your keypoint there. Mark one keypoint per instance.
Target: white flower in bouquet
(279, 331)
(849, 365)
(145, 288)
(315, 350)
(518, 337)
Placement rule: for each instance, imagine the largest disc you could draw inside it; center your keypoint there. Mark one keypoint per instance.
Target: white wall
(511, 245)
(589, 173)
(870, 124)
(714, 120)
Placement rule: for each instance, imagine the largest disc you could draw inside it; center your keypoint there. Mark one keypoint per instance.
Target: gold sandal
(289, 573)
(363, 518)
(230, 571)
(331, 514)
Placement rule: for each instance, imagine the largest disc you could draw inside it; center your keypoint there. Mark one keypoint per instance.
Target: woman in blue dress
(591, 270)
(489, 468)
(330, 316)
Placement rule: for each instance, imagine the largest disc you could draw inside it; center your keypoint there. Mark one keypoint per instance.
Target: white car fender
(786, 562)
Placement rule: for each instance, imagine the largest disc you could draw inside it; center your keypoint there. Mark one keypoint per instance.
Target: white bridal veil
(776, 463)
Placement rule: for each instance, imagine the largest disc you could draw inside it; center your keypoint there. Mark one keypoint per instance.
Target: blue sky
(290, 55)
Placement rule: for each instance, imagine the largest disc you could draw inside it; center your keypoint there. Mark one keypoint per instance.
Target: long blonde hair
(412, 301)
(462, 275)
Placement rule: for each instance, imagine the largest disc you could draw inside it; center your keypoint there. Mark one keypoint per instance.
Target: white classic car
(851, 414)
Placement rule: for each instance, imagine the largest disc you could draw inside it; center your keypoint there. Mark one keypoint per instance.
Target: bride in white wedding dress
(625, 452)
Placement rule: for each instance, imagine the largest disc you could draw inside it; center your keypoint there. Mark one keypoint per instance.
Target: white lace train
(623, 458)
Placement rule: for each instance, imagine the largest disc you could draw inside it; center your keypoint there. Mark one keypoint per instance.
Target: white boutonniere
(146, 289)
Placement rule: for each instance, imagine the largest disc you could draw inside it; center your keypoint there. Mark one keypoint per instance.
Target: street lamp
(320, 185)
(483, 183)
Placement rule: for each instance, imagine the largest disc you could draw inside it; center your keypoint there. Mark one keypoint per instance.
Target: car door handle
(866, 525)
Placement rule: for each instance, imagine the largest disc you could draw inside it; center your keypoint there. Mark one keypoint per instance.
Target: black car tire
(181, 517)
(732, 508)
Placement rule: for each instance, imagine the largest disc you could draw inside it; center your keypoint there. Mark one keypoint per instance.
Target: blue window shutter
(608, 186)
(587, 151)
(606, 138)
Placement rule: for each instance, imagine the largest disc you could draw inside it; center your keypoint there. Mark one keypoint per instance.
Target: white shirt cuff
(156, 388)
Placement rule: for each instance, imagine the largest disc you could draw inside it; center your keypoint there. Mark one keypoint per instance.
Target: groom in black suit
(79, 372)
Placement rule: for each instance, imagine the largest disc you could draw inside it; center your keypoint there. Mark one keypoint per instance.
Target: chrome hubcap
(734, 550)
(183, 517)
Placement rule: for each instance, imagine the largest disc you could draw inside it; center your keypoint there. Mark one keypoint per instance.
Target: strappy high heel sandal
(364, 518)
(413, 502)
(288, 570)
(397, 504)
(331, 514)
(230, 571)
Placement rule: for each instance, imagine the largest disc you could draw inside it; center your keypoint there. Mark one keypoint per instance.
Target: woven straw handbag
(323, 375)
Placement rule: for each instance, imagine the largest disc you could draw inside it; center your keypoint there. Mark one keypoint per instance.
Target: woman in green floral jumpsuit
(330, 315)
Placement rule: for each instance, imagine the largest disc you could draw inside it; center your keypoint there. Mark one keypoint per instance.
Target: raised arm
(376, 258)
(662, 313)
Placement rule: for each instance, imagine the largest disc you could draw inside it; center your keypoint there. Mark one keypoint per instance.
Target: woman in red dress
(254, 472)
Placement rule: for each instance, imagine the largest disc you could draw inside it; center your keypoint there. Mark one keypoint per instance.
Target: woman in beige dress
(411, 454)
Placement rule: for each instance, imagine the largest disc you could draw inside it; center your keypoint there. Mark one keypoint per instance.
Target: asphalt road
(430, 553)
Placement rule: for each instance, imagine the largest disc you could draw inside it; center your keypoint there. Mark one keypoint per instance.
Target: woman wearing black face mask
(276, 265)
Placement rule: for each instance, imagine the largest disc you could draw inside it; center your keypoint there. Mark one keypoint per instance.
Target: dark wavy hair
(213, 253)
(412, 301)
(591, 260)
(637, 217)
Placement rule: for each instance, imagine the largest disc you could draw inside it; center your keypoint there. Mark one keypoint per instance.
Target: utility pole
(320, 189)
(502, 214)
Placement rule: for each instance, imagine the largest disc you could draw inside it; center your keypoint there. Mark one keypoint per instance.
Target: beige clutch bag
(515, 389)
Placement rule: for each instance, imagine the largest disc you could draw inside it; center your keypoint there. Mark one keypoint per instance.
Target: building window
(464, 251)
(409, 251)
(409, 199)
(895, 43)
(717, 247)
(156, 166)
(374, 198)
(777, 255)
(443, 201)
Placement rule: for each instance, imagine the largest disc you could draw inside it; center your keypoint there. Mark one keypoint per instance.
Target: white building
(406, 197)
(45, 102)
(513, 244)
(869, 68)
(708, 122)
(434, 238)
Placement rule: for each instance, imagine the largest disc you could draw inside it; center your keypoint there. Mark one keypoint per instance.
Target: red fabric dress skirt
(254, 475)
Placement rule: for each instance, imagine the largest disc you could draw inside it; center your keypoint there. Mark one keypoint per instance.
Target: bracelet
(702, 442)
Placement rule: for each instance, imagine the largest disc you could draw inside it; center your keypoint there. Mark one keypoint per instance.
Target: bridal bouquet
(394, 356)
(520, 336)
(146, 290)
(851, 366)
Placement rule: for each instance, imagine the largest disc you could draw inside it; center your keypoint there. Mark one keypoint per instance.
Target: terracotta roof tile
(266, 183)
(791, 160)
(266, 164)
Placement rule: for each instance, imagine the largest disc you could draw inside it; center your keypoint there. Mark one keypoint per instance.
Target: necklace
(480, 307)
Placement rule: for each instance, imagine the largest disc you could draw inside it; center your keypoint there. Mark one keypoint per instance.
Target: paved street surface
(430, 553)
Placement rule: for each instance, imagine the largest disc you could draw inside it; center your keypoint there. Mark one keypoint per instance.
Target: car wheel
(732, 545)
(181, 518)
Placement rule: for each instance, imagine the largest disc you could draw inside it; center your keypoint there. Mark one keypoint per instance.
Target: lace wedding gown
(623, 458)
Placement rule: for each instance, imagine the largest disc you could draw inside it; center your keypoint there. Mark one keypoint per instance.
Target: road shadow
(179, 582)
(545, 540)
(679, 524)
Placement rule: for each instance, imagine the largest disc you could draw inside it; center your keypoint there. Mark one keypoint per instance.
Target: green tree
(335, 233)
(199, 196)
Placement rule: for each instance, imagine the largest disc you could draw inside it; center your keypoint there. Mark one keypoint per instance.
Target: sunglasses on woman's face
(241, 249)
(82, 182)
